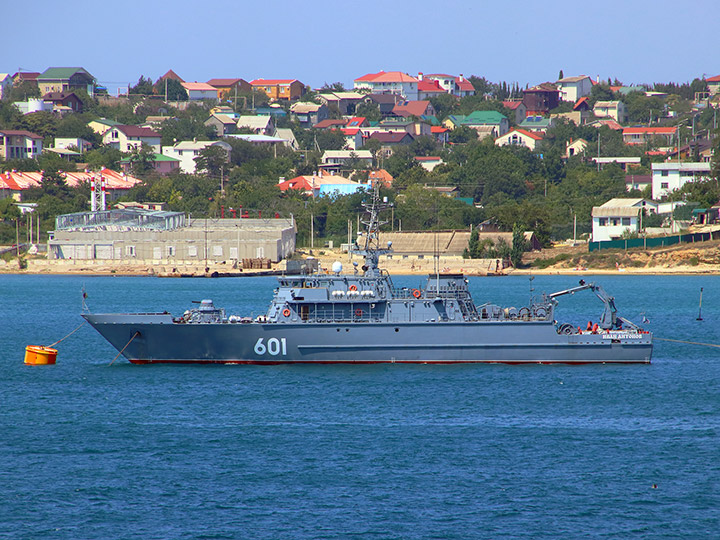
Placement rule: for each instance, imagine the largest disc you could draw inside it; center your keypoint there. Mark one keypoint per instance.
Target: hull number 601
(274, 347)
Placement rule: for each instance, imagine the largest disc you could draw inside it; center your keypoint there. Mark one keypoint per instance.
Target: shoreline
(467, 267)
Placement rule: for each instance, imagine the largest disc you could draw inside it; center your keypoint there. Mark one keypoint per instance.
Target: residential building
(66, 79)
(187, 151)
(458, 86)
(611, 109)
(637, 181)
(575, 148)
(321, 184)
(389, 140)
(64, 99)
(345, 158)
(487, 123)
(6, 84)
(429, 162)
(72, 142)
(418, 108)
(541, 99)
(197, 91)
(14, 183)
(671, 175)
(384, 102)
(309, 114)
(261, 125)
(619, 216)
(331, 123)
(102, 125)
(391, 82)
(161, 164)
(573, 88)
(537, 124)
(644, 135)
(19, 144)
(129, 138)
(354, 138)
(519, 137)
(33, 105)
(607, 122)
(287, 135)
(441, 134)
(713, 84)
(228, 89)
(222, 124)
(276, 89)
(345, 102)
(25, 76)
(518, 108)
(429, 89)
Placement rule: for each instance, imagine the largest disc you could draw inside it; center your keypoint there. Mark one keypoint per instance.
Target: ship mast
(371, 250)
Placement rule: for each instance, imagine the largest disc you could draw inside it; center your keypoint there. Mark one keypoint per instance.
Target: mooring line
(688, 342)
(136, 334)
(70, 334)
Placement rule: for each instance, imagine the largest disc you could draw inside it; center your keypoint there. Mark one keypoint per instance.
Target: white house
(187, 151)
(618, 216)
(261, 125)
(128, 138)
(669, 176)
(573, 88)
(519, 137)
(196, 91)
(391, 82)
(346, 157)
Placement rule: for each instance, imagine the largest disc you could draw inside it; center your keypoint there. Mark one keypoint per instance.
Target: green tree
(144, 87)
(212, 160)
(175, 90)
(518, 245)
(142, 160)
(24, 91)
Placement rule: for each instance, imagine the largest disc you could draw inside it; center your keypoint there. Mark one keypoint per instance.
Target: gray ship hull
(158, 338)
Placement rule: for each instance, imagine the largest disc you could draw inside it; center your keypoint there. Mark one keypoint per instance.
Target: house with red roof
(276, 89)
(457, 86)
(357, 122)
(197, 91)
(331, 123)
(517, 107)
(713, 84)
(441, 134)
(520, 137)
(128, 138)
(227, 89)
(429, 162)
(391, 82)
(429, 89)
(644, 135)
(19, 144)
(172, 75)
(419, 108)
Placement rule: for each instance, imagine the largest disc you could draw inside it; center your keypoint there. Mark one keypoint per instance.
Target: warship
(362, 317)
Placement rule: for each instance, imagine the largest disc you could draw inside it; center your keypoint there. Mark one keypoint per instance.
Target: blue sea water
(91, 450)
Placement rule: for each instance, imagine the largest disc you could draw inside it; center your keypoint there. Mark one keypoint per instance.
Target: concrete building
(129, 138)
(19, 144)
(670, 176)
(618, 216)
(391, 82)
(187, 151)
(611, 109)
(573, 88)
(166, 237)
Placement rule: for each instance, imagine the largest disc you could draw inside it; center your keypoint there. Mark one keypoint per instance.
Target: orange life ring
(417, 293)
(358, 312)
(286, 312)
(352, 288)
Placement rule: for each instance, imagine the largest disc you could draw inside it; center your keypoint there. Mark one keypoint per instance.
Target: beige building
(166, 237)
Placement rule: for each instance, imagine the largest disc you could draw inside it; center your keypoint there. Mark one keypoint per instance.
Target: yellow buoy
(37, 355)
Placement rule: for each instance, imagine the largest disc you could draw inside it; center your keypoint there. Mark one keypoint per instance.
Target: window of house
(664, 173)
(171, 251)
(663, 185)
(603, 222)
(626, 221)
(615, 222)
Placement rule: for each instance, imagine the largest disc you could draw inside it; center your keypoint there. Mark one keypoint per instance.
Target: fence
(653, 242)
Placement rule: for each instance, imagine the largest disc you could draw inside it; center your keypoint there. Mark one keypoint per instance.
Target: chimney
(420, 75)
(281, 180)
(460, 78)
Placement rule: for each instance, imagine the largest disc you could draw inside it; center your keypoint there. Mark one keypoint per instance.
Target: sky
(321, 41)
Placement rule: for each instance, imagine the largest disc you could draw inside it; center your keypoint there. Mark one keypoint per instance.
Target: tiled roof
(389, 76)
(58, 96)
(20, 132)
(356, 121)
(272, 82)
(430, 86)
(172, 75)
(580, 102)
(222, 83)
(713, 79)
(512, 104)
(329, 123)
(656, 130)
(573, 79)
(484, 117)
(427, 158)
(439, 129)
(464, 85)
(54, 73)
(411, 108)
(543, 87)
(534, 136)
(198, 86)
(390, 137)
(137, 131)
(18, 181)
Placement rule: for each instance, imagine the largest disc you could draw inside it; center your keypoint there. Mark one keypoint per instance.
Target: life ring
(358, 312)
(286, 312)
(352, 288)
(416, 293)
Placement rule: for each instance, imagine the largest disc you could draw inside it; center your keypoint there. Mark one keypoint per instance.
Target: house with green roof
(487, 123)
(66, 79)
(161, 163)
